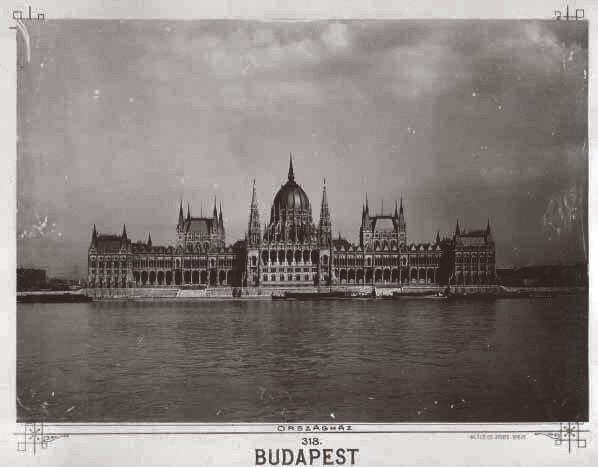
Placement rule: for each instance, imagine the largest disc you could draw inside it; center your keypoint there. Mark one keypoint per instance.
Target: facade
(200, 232)
(291, 250)
(472, 257)
(116, 261)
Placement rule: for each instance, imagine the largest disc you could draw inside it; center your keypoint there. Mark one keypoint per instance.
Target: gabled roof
(383, 223)
(339, 243)
(108, 242)
(199, 224)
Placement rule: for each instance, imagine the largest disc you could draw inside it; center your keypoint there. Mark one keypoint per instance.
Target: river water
(408, 360)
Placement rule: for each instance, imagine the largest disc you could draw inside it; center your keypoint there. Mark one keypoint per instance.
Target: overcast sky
(119, 121)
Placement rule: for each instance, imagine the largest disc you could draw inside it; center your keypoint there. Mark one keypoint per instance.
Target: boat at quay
(52, 297)
(327, 295)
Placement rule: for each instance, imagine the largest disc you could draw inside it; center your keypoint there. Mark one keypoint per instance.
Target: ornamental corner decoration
(34, 437)
(570, 435)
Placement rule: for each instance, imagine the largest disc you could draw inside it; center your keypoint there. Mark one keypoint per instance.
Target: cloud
(251, 66)
(428, 68)
(433, 60)
(252, 48)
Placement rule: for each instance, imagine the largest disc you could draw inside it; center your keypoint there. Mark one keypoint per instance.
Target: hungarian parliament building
(291, 250)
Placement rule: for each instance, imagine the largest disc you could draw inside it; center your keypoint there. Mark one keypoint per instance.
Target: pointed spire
(253, 195)
(181, 219)
(254, 232)
(324, 196)
(457, 229)
(188, 211)
(325, 226)
(124, 241)
(291, 171)
(488, 226)
(396, 215)
(94, 236)
(438, 236)
(402, 223)
(149, 239)
(220, 216)
(367, 208)
(215, 212)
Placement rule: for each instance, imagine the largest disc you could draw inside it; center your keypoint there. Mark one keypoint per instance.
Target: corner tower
(325, 226)
(254, 229)
(325, 241)
(402, 225)
(254, 241)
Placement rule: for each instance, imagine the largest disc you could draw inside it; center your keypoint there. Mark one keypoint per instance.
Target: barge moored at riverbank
(52, 297)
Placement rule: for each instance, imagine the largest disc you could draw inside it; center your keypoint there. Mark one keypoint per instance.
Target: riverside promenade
(238, 293)
(265, 293)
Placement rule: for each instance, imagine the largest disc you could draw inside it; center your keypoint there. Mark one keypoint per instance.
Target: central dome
(290, 198)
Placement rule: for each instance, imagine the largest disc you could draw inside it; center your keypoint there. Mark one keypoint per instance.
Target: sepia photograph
(300, 222)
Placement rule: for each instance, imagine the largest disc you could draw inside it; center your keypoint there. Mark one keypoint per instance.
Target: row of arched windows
(284, 277)
(292, 257)
(108, 264)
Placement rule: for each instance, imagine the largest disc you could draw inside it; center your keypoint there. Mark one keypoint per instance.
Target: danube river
(407, 360)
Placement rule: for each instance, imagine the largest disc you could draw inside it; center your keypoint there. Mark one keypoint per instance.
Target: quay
(266, 293)
(241, 293)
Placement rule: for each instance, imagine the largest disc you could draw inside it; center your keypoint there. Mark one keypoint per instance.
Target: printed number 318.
(310, 442)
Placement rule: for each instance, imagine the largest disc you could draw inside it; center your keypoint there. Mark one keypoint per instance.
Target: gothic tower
(325, 241)
(325, 227)
(254, 230)
(180, 227)
(402, 225)
(94, 238)
(365, 231)
(215, 218)
(254, 240)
